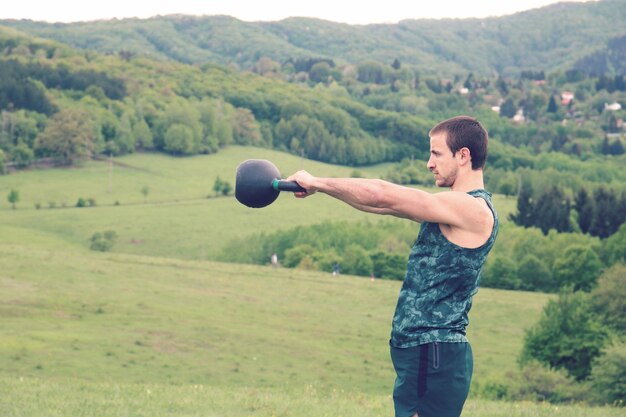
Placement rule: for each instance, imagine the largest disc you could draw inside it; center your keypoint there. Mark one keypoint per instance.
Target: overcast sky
(346, 11)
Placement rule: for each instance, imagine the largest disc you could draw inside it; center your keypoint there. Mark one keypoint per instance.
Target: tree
(578, 267)
(609, 298)
(604, 222)
(210, 120)
(502, 86)
(246, 130)
(508, 184)
(294, 256)
(371, 72)
(525, 209)
(584, 206)
(143, 135)
(614, 248)
(13, 197)
(217, 186)
(616, 147)
(266, 65)
(611, 124)
(388, 265)
(568, 335)
(469, 82)
(501, 272)
(22, 156)
(179, 140)
(69, 136)
(180, 129)
(608, 377)
(534, 274)
(320, 72)
(356, 261)
(124, 138)
(551, 211)
(552, 106)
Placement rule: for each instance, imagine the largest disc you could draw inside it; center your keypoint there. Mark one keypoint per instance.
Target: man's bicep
(418, 205)
(443, 208)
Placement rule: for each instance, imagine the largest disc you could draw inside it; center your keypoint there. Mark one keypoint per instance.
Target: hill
(551, 38)
(112, 334)
(71, 313)
(180, 216)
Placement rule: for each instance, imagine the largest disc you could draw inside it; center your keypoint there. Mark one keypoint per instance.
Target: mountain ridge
(550, 38)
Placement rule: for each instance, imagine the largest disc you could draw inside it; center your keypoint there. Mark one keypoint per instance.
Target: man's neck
(472, 180)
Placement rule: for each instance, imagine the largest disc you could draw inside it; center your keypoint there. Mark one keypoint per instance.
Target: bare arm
(456, 209)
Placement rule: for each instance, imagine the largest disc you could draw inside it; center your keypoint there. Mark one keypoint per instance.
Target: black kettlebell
(258, 183)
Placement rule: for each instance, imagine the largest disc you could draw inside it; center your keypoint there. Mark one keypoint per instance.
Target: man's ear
(464, 156)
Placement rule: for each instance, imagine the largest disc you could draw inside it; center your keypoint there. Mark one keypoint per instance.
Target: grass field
(176, 219)
(154, 329)
(94, 334)
(140, 318)
(53, 398)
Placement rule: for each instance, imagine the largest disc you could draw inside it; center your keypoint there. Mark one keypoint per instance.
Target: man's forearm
(368, 195)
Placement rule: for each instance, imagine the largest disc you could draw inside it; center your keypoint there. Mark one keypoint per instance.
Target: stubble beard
(447, 181)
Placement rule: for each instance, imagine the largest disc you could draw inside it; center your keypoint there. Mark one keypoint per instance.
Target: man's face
(442, 162)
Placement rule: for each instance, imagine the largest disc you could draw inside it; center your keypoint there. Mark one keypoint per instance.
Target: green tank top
(438, 287)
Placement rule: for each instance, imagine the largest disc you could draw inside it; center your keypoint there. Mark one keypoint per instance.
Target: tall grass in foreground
(30, 397)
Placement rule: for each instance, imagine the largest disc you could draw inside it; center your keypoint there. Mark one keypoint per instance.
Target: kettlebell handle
(282, 185)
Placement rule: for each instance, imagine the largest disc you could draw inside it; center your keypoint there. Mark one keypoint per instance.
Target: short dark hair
(465, 132)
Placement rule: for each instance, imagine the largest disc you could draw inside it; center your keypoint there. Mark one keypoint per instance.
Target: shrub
(13, 197)
(103, 242)
(388, 265)
(491, 390)
(568, 335)
(295, 255)
(356, 261)
(22, 156)
(501, 272)
(535, 382)
(608, 377)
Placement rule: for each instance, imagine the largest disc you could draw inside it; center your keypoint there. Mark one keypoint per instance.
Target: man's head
(456, 144)
(465, 132)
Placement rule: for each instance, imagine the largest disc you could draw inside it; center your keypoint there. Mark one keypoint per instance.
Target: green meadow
(176, 218)
(157, 327)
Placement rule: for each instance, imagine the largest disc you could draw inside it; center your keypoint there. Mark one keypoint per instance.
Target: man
(430, 352)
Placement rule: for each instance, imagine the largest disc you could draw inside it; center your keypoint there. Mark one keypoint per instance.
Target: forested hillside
(558, 136)
(551, 38)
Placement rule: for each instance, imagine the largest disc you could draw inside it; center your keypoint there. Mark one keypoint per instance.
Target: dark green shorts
(432, 380)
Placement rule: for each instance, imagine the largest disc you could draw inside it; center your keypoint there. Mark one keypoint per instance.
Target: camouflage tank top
(438, 287)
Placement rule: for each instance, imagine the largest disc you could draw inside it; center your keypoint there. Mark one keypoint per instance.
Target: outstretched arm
(382, 197)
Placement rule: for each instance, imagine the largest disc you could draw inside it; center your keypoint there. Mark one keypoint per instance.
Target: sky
(346, 11)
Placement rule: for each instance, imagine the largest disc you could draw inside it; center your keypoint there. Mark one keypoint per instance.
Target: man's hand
(304, 180)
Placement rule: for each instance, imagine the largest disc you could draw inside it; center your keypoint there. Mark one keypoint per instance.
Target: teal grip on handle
(275, 184)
